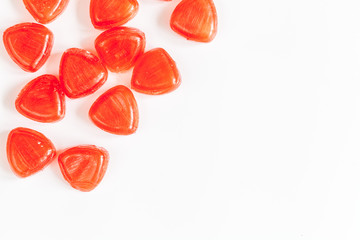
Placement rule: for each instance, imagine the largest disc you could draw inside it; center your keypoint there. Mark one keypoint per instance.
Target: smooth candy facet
(28, 151)
(195, 20)
(84, 166)
(29, 45)
(81, 73)
(106, 14)
(116, 111)
(45, 11)
(42, 100)
(155, 73)
(120, 47)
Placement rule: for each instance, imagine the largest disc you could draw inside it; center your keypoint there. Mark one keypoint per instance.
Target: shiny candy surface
(81, 73)
(84, 166)
(120, 47)
(42, 100)
(155, 73)
(195, 20)
(29, 45)
(28, 151)
(116, 111)
(106, 14)
(45, 11)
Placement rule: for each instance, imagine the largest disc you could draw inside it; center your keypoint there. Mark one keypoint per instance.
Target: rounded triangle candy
(116, 111)
(28, 151)
(42, 100)
(81, 73)
(195, 20)
(106, 14)
(29, 45)
(155, 73)
(45, 11)
(120, 47)
(84, 166)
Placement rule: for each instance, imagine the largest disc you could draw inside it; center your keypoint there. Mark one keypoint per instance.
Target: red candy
(29, 45)
(28, 151)
(195, 19)
(81, 73)
(155, 73)
(116, 111)
(45, 11)
(42, 100)
(106, 14)
(119, 47)
(84, 166)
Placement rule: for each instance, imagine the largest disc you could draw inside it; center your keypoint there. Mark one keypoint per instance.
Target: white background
(261, 141)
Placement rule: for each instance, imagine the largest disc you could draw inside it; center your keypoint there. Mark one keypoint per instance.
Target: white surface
(260, 142)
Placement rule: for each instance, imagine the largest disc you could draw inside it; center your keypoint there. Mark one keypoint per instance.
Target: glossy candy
(155, 73)
(81, 73)
(195, 20)
(84, 166)
(116, 111)
(119, 47)
(106, 14)
(42, 100)
(45, 11)
(28, 151)
(29, 45)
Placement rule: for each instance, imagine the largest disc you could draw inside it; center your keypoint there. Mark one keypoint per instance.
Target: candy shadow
(89, 31)
(84, 14)
(164, 18)
(5, 58)
(53, 63)
(54, 166)
(88, 43)
(4, 165)
(124, 78)
(163, 21)
(24, 15)
(9, 99)
(83, 111)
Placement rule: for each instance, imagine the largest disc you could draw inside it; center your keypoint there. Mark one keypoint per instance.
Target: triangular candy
(195, 20)
(29, 45)
(120, 47)
(28, 151)
(155, 73)
(116, 111)
(42, 100)
(106, 14)
(81, 73)
(84, 166)
(45, 11)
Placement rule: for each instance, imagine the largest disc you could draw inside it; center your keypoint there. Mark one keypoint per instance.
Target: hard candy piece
(81, 73)
(106, 14)
(116, 111)
(45, 11)
(155, 73)
(84, 166)
(28, 151)
(195, 20)
(42, 100)
(120, 47)
(29, 45)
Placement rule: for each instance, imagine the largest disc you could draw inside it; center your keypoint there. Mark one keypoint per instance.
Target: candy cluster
(82, 73)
